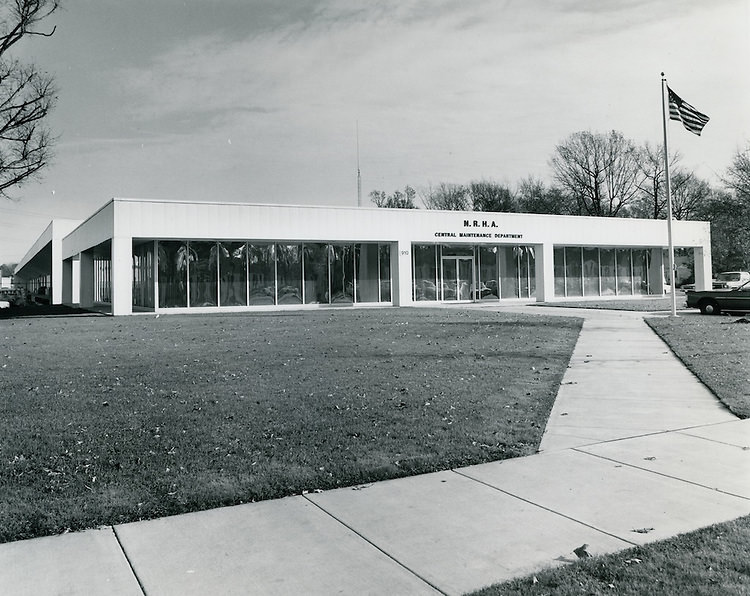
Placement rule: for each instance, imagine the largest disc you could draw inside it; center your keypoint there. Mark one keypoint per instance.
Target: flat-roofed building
(135, 255)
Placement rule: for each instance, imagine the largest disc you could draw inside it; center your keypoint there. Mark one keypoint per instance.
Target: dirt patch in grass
(108, 420)
(711, 561)
(716, 350)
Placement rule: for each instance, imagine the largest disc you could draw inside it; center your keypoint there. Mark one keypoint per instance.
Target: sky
(277, 101)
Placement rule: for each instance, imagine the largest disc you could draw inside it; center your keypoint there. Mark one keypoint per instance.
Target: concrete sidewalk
(636, 450)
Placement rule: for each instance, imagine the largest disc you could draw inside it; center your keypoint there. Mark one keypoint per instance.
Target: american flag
(681, 110)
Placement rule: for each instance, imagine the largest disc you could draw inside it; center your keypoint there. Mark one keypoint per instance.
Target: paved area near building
(636, 450)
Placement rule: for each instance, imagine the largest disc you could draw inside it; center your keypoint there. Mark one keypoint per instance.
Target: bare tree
(652, 204)
(397, 200)
(688, 194)
(534, 196)
(600, 172)
(491, 196)
(448, 197)
(26, 96)
(737, 177)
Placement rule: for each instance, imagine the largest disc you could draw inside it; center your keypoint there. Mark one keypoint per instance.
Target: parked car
(727, 279)
(11, 296)
(731, 279)
(713, 302)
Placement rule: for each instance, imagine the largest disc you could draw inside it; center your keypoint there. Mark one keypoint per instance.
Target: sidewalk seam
(688, 434)
(375, 546)
(617, 461)
(682, 430)
(130, 563)
(573, 519)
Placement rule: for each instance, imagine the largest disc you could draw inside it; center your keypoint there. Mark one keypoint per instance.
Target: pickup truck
(714, 302)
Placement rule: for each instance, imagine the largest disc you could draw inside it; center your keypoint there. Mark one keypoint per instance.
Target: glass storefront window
(591, 271)
(143, 275)
(457, 250)
(425, 272)
(342, 273)
(573, 271)
(531, 258)
(624, 272)
(640, 272)
(366, 274)
(384, 251)
(559, 266)
(608, 273)
(508, 260)
(316, 273)
(173, 257)
(203, 274)
(488, 286)
(261, 273)
(102, 277)
(289, 271)
(232, 274)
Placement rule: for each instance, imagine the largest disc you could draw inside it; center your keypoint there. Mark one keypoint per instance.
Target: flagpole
(665, 111)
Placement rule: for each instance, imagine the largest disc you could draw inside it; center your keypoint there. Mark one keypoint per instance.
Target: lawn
(109, 420)
(711, 561)
(717, 350)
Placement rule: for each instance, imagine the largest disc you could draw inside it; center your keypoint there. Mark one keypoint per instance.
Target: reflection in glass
(173, 269)
(102, 277)
(262, 273)
(342, 273)
(559, 266)
(573, 271)
(527, 270)
(591, 271)
(289, 271)
(457, 250)
(202, 274)
(531, 259)
(316, 273)
(508, 260)
(640, 271)
(608, 273)
(624, 271)
(425, 272)
(233, 273)
(449, 285)
(488, 285)
(384, 251)
(143, 275)
(367, 278)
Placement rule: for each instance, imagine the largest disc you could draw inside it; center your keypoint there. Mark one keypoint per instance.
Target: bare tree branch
(26, 96)
(600, 172)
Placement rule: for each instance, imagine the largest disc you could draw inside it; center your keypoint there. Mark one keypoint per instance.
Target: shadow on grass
(46, 310)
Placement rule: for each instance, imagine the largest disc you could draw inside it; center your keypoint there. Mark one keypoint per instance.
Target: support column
(56, 291)
(703, 268)
(87, 279)
(656, 272)
(67, 282)
(402, 273)
(121, 275)
(545, 272)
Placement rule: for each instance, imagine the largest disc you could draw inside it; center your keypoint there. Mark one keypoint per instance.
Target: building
(136, 255)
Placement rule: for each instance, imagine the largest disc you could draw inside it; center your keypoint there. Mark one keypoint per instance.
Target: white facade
(105, 250)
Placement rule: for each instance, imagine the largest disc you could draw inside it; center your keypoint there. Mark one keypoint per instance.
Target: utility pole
(359, 173)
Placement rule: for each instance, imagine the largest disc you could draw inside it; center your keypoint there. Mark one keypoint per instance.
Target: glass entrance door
(458, 278)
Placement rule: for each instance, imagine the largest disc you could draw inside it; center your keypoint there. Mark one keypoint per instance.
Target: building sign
(479, 224)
